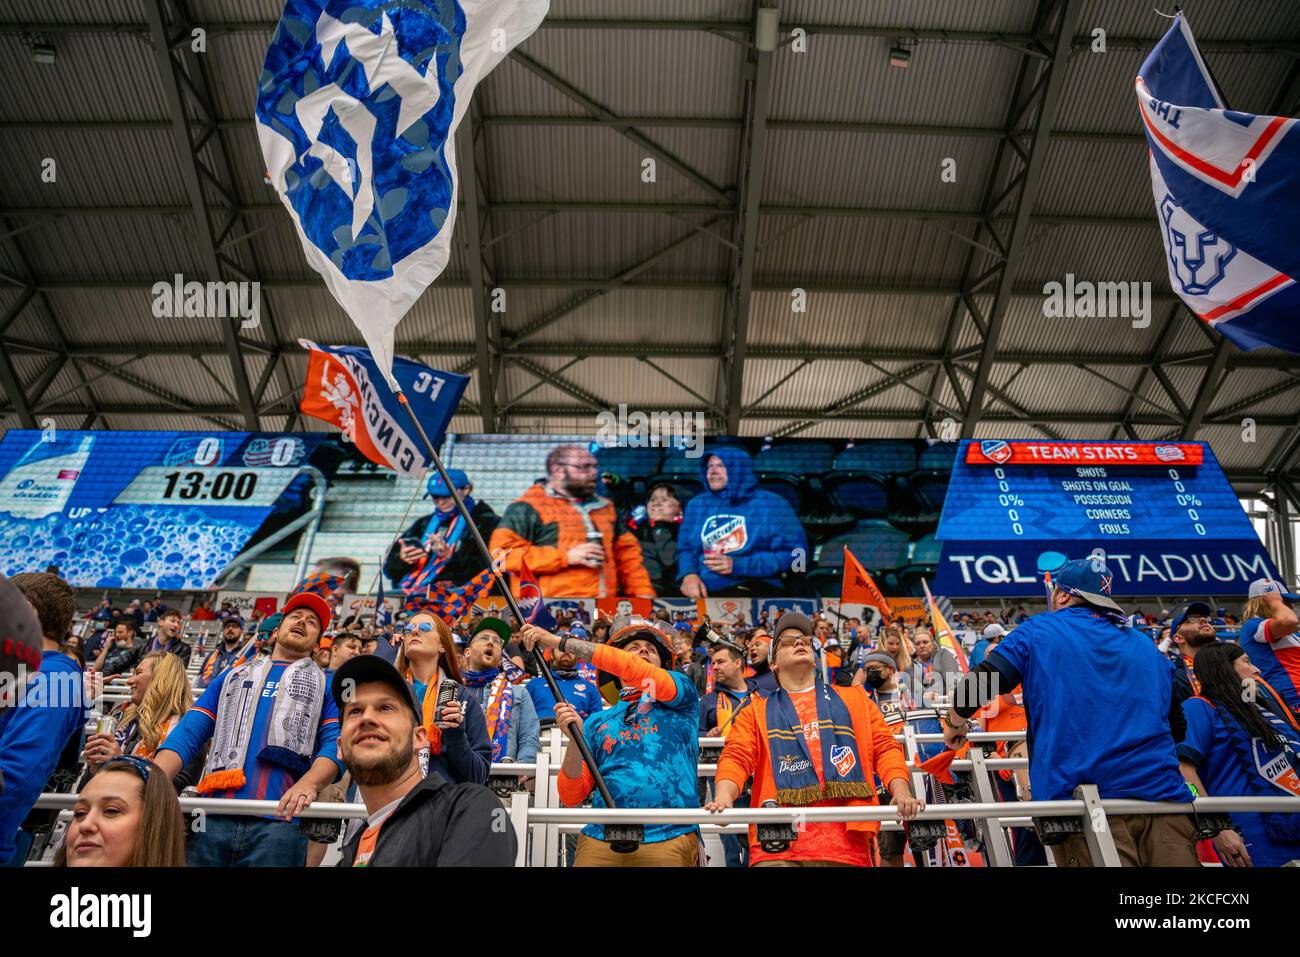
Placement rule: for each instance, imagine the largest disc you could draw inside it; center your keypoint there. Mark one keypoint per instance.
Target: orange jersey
(539, 529)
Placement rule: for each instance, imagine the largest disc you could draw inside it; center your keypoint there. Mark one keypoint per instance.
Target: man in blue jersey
(578, 689)
(1098, 697)
(645, 747)
(273, 729)
(49, 708)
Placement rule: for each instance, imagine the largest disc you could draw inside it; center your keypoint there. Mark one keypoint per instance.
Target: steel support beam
(175, 80)
(1210, 383)
(1117, 221)
(1050, 86)
(1027, 42)
(564, 385)
(622, 126)
(487, 401)
(749, 177)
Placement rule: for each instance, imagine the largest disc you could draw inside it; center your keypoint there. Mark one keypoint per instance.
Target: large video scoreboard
(139, 509)
(1163, 514)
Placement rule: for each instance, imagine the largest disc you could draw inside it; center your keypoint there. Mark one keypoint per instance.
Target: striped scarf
(499, 705)
(426, 571)
(797, 783)
(291, 732)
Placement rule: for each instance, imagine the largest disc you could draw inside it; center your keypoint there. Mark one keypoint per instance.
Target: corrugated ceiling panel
(862, 325)
(637, 72)
(102, 76)
(885, 170)
(1096, 179)
(661, 316)
(849, 78)
(593, 164)
(117, 248)
(595, 245)
(856, 252)
(92, 168)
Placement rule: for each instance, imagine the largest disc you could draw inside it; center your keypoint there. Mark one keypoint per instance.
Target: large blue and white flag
(357, 110)
(344, 387)
(1227, 192)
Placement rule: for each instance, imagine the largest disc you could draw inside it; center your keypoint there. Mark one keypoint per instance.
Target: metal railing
(541, 824)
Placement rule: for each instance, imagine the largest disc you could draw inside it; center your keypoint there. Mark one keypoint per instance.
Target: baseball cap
(832, 641)
(236, 619)
(1268, 586)
(367, 668)
(994, 631)
(1089, 579)
(316, 603)
(1182, 611)
(501, 628)
(436, 486)
(21, 641)
(791, 619)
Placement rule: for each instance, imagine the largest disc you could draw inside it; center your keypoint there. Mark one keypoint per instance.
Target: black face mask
(876, 679)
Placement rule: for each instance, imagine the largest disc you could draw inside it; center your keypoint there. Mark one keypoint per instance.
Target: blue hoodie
(757, 529)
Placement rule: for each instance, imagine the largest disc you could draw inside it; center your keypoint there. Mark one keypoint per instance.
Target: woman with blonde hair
(459, 748)
(160, 694)
(892, 644)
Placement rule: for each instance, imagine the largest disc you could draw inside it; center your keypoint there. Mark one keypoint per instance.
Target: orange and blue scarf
(796, 780)
(426, 571)
(500, 704)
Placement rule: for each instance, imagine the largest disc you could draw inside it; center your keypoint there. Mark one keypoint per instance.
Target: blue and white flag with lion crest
(1227, 191)
(357, 110)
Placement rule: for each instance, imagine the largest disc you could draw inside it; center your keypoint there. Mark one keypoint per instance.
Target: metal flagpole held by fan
(542, 666)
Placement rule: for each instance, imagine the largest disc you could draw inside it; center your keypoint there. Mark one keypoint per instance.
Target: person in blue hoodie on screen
(735, 536)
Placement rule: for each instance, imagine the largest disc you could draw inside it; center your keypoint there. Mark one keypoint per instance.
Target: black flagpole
(540, 661)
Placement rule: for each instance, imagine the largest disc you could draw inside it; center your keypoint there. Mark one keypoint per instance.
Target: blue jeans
(736, 846)
(229, 841)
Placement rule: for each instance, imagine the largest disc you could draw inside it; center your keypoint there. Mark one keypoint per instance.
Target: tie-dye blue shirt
(647, 752)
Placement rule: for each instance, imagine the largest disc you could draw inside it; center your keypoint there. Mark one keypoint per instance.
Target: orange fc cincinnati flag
(943, 635)
(860, 587)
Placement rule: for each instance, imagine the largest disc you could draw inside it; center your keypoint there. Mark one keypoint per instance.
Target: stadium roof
(816, 169)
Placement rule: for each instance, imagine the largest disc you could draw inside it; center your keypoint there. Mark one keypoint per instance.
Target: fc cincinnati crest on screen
(996, 451)
(724, 533)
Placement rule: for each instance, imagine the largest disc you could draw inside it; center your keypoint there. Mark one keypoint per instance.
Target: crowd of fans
(298, 709)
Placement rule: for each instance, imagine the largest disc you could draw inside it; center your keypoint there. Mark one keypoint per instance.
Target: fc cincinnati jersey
(1278, 661)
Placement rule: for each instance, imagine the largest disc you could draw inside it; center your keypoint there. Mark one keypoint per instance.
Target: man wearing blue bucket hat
(1098, 697)
(438, 546)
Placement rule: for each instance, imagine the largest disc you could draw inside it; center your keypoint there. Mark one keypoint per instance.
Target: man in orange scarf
(824, 757)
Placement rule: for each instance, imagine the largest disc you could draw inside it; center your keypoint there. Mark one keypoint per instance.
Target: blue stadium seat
(865, 494)
(786, 486)
(925, 551)
(924, 563)
(887, 457)
(939, 456)
(677, 464)
(629, 463)
(929, 487)
(795, 458)
(878, 545)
